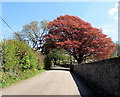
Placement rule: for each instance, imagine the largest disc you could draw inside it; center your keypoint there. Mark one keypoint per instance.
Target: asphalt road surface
(58, 81)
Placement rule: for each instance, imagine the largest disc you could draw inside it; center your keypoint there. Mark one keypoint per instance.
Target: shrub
(40, 60)
(47, 62)
(18, 60)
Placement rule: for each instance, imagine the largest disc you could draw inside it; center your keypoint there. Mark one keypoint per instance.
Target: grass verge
(23, 76)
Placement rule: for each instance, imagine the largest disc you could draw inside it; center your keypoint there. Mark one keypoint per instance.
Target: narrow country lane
(52, 82)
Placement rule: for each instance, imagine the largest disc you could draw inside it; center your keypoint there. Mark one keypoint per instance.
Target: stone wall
(105, 74)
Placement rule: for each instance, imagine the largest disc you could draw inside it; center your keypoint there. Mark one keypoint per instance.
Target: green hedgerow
(18, 60)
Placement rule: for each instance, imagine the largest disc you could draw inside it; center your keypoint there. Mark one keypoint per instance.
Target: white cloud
(116, 4)
(114, 12)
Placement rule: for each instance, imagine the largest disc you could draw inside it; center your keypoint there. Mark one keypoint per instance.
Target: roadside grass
(23, 76)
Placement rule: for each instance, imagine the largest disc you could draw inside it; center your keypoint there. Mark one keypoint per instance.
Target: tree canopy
(79, 38)
(32, 34)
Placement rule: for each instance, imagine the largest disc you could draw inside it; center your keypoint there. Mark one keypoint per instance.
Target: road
(52, 82)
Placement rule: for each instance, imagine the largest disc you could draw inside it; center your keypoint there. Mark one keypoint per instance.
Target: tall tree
(32, 33)
(79, 38)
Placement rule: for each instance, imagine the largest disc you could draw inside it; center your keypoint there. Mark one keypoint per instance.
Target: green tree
(33, 33)
(56, 57)
(116, 52)
(10, 58)
(18, 55)
(18, 61)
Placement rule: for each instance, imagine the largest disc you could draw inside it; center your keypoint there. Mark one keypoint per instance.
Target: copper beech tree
(79, 38)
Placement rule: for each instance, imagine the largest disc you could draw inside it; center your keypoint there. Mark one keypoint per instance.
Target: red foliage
(79, 38)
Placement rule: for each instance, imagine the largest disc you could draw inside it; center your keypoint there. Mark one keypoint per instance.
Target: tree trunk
(79, 58)
(79, 61)
(55, 61)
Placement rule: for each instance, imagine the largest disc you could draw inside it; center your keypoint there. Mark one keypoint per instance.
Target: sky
(102, 15)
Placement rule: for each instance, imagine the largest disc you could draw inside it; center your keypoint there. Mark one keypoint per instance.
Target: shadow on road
(60, 68)
(83, 88)
(87, 89)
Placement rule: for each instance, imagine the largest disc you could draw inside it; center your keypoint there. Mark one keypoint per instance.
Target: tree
(18, 55)
(79, 38)
(56, 57)
(117, 51)
(19, 36)
(32, 34)
(18, 61)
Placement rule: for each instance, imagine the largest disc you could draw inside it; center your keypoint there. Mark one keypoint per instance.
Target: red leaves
(112, 45)
(85, 32)
(70, 32)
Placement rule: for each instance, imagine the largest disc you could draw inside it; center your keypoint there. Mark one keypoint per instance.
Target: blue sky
(99, 14)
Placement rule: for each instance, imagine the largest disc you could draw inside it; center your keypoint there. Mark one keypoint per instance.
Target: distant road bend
(58, 81)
